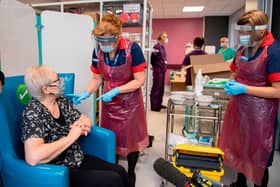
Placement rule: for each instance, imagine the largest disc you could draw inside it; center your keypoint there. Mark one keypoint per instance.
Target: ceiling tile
(173, 8)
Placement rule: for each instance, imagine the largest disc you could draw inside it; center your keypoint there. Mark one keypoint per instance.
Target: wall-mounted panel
(214, 28)
(67, 47)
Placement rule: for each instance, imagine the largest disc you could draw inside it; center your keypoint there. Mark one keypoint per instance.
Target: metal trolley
(197, 115)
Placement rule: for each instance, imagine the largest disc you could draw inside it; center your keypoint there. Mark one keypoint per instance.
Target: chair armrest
(101, 143)
(16, 172)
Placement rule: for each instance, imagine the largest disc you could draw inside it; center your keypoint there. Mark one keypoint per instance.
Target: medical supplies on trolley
(197, 153)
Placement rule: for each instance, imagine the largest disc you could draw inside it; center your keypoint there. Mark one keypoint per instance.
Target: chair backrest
(11, 113)
(69, 82)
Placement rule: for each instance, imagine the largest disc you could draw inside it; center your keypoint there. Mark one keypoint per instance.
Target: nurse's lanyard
(115, 60)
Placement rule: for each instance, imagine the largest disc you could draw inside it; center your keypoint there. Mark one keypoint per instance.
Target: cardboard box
(212, 65)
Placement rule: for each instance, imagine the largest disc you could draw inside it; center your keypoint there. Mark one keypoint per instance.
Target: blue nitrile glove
(234, 88)
(77, 98)
(226, 87)
(107, 97)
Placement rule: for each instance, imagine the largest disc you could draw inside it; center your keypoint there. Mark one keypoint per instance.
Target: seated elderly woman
(51, 128)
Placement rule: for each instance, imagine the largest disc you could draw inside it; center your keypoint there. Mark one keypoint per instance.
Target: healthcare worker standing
(120, 64)
(198, 43)
(158, 61)
(250, 120)
(227, 52)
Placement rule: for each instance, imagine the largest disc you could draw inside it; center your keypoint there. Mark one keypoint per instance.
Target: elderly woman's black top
(37, 122)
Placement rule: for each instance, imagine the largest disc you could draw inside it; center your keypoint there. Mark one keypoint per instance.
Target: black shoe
(163, 107)
(235, 184)
(151, 139)
(155, 110)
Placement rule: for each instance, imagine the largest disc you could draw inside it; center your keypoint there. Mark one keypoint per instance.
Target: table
(177, 85)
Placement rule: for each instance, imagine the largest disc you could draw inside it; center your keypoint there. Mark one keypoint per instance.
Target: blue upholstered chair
(14, 170)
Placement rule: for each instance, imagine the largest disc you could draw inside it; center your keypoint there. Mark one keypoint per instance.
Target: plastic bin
(203, 153)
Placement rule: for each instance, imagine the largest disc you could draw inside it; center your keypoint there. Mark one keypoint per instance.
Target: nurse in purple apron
(120, 65)
(250, 120)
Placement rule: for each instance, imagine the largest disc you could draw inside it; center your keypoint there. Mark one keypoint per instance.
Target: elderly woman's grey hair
(37, 77)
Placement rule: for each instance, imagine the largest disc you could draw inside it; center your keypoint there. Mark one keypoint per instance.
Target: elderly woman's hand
(85, 130)
(86, 124)
(75, 130)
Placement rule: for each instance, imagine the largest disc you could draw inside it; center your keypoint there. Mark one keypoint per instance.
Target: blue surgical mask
(244, 40)
(107, 48)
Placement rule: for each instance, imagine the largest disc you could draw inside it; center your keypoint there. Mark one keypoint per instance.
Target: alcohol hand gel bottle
(199, 83)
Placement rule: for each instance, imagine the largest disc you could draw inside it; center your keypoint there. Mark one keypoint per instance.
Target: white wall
(18, 37)
(67, 44)
(67, 47)
(232, 21)
(251, 5)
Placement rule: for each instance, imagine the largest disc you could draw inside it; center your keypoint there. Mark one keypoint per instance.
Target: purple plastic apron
(248, 128)
(125, 113)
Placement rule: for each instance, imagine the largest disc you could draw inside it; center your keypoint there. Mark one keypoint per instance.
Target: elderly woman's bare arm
(39, 152)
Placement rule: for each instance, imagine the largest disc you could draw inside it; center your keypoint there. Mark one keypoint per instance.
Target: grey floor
(146, 176)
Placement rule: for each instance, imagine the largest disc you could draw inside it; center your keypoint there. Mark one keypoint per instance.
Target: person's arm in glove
(92, 87)
(108, 96)
(234, 88)
(77, 98)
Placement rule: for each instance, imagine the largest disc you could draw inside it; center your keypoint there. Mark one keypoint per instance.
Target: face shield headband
(106, 39)
(248, 28)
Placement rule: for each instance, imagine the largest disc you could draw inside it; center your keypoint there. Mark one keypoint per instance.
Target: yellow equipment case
(191, 158)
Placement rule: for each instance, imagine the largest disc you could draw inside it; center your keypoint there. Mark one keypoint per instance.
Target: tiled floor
(146, 176)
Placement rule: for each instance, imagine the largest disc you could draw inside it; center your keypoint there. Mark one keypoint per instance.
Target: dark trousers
(157, 90)
(96, 172)
(242, 181)
(132, 159)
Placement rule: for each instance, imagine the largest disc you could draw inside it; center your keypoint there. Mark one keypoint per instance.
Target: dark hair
(198, 42)
(2, 78)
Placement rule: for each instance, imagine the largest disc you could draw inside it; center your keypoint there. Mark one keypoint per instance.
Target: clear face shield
(247, 36)
(106, 42)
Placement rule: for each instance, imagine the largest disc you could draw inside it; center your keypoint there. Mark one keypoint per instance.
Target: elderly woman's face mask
(59, 84)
